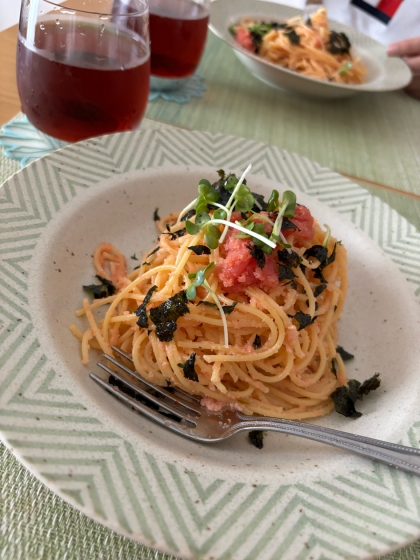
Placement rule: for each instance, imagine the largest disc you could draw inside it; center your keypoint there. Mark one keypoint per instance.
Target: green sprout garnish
(327, 237)
(286, 209)
(199, 278)
(241, 200)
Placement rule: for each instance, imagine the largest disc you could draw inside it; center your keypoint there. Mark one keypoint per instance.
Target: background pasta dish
(308, 47)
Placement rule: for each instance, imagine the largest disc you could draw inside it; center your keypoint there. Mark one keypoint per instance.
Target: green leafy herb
(257, 342)
(287, 208)
(156, 216)
(345, 356)
(273, 201)
(165, 315)
(199, 278)
(189, 368)
(141, 313)
(104, 289)
(200, 249)
(256, 437)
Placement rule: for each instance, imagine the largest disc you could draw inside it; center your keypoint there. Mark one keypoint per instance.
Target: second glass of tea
(178, 32)
(83, 66)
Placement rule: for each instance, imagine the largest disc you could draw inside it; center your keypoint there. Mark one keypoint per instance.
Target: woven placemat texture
(35, 524)
(370, 136)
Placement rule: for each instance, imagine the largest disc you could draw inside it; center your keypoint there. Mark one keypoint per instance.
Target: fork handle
(399, 456)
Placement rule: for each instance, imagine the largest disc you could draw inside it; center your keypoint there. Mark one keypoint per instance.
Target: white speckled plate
(295, 498)
(383, 73)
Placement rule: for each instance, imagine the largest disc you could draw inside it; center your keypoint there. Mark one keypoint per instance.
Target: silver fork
(182, 413)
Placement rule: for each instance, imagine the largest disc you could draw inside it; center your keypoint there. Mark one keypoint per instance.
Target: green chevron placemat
(46, 424)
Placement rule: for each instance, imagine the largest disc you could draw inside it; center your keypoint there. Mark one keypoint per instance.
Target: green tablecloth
(375, 138)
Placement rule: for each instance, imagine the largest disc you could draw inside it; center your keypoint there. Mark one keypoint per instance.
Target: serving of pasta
(307, 47)
(238, 303)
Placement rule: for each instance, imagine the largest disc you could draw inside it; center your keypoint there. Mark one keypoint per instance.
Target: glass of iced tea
(178, 31)
(83, 66)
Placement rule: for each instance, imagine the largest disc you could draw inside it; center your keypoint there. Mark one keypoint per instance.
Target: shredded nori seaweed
(104, 289)
(165, 315)
(227, 309)
(319, 289)
(141, 312)
(257, 342)
(258, 254)
(188, 215)
(345, 356)
(200, 249)
(291, 260)
(156, 216)
(338, 43)
(189, 368)
(256, 437)
(345, 396)
(286, 273)
(303, 319)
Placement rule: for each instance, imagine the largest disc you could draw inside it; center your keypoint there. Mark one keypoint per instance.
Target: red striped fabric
(389, 7)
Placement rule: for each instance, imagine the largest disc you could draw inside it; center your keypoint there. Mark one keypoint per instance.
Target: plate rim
(82, 146)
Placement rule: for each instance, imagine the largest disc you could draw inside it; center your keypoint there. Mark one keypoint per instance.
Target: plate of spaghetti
(315, 57)
(253, 278)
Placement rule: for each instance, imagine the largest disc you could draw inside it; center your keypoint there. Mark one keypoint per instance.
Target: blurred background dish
(383, 73)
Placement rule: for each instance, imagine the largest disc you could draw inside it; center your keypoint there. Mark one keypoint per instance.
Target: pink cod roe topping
(237, 269)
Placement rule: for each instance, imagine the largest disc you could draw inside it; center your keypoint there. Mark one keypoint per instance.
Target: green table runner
(370, 136)
(373, 137)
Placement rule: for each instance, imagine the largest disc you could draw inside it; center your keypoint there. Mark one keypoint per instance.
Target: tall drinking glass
(178, 31)
(83, 66)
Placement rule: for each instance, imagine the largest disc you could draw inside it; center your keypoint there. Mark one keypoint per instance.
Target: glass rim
(103, 13)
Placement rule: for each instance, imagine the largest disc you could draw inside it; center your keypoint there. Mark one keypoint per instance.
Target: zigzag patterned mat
(355, 514)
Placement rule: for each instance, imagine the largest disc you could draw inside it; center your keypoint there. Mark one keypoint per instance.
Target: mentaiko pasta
(238, 302)
(308, 47)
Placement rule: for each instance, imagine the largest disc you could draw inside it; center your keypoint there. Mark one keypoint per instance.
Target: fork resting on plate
(182, 413)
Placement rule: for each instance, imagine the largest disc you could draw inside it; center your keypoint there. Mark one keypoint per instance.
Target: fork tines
(170, 407)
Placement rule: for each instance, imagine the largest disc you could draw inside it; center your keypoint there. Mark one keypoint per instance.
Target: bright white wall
(10, 9)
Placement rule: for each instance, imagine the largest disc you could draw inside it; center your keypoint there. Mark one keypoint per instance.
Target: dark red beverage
(78, 85)
(178, 31)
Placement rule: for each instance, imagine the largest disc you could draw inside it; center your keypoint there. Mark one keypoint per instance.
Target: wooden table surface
(9, 97)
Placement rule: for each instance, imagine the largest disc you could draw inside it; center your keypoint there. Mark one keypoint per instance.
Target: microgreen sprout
(286, 209)
(199, 278)
(342, 71)
(327, 237)
(232, 198)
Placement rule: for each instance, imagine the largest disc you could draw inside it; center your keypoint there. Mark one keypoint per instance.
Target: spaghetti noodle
(220, 313)
(309, 48)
